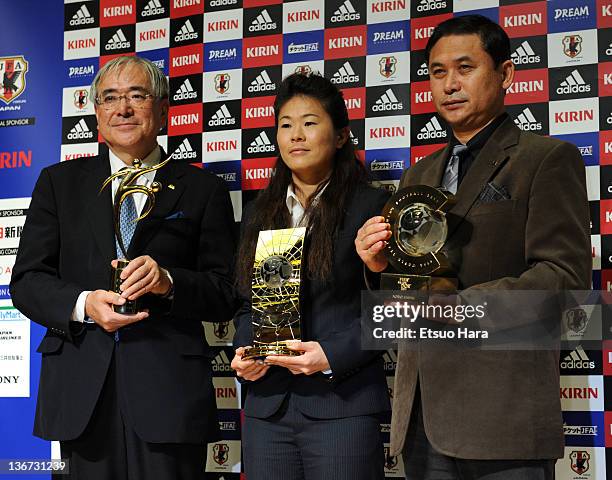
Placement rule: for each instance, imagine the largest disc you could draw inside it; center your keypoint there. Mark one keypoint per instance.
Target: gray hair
(157, 79)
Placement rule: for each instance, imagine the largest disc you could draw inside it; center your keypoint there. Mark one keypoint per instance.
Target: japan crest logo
(580, 461)
(572, 45)
(222, 83)
(80, 98)
(390, 462)
(220, 453)
(576, 320)
(221, 329)
(387, 66)
(303, 69)
(12, 77)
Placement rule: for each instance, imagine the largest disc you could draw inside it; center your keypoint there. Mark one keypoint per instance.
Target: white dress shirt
(116, 164)
(296, 210)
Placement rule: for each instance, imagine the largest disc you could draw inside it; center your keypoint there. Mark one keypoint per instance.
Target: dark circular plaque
(276, 271)
(418, 229)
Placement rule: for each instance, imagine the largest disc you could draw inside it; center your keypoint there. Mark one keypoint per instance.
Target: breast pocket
(499, 208)
(495, 240)
(178, 227)
(173, 241)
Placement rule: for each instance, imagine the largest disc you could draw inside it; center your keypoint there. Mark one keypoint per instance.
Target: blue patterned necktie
(450, 180)
(127, 223)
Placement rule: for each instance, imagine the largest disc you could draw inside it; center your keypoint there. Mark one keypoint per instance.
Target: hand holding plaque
(417, 218)
(128, 186)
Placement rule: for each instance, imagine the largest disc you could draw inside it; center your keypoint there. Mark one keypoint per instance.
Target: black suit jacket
(330, 314)
(164, 362)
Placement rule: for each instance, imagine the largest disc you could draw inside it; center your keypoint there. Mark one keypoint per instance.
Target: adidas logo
(80, 131)
(345, 13)
(262, 83)
(221, 117)
(609, 49)
(390, 360)
(345, 74)
(432, 129)
(261, 144)
(81, 17)
(117, 41)
(185, 91)
(153, 8)
(223, 3)
(573, 83)
(527, 122)
(263, 21)
(428, 5)
(423, 70)
(221, 363)
(184, 151)
(524, 54)
(577, 359)
(388, 101)
(186, 32)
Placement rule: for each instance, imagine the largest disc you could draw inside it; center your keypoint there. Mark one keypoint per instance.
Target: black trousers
(292, 446)
(110, 449)
(423, 462)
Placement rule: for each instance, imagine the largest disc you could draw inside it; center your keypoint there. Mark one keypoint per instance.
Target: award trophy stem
(129, 307)
(263, 350)
(401, 281)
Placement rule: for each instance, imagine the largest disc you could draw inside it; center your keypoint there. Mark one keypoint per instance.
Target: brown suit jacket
(501, 404)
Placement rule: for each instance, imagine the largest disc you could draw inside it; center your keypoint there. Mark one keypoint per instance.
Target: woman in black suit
(317, 415)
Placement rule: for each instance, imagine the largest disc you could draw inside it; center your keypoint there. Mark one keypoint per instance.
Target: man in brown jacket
(521, 222)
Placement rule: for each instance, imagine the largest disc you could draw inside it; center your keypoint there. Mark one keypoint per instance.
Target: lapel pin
(171, 187)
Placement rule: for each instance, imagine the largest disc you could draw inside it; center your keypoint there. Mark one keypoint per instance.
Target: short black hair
(493, 38)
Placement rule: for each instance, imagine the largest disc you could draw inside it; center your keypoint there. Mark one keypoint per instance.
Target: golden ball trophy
(275, 303)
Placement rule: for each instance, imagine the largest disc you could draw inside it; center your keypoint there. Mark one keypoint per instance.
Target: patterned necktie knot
(458, 152)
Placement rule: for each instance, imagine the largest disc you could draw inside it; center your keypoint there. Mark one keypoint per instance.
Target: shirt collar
(478, 141)
(117, 164)
(296, 210)
(292, 197)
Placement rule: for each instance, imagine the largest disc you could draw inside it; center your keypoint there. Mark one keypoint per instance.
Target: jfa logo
(12, 80)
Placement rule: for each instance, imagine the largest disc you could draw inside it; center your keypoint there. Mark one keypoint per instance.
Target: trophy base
(398, 281)
(268, 349)
(129, 307)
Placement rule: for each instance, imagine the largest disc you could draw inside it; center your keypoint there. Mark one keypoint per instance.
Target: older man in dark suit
(128, 396)
(521, 222)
